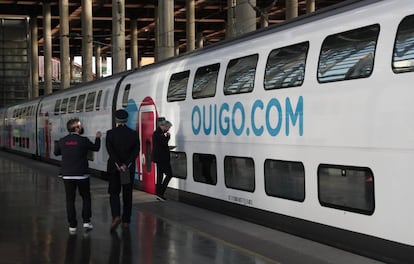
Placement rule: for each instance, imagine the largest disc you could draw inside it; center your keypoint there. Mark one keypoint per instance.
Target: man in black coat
(75, 173)
(123, 148)
(161, 156)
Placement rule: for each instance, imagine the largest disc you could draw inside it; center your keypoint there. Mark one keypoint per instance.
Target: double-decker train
(306, 126)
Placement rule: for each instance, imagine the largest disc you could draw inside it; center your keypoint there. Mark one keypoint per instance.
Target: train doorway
(147, 116)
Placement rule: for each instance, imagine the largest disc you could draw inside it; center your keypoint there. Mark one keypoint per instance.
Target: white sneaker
(88, 226)
(72, 230)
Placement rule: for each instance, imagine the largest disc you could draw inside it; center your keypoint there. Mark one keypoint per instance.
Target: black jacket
(123, 147)
(74, 150)
(160, 149)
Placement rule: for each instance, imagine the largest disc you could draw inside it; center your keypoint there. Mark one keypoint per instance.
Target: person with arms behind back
(123, 148)
(75, 172)
(161, 156)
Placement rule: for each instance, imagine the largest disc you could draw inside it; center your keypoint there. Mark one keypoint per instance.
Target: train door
(147, 117)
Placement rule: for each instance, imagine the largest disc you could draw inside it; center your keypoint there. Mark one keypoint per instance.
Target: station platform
(33, 228)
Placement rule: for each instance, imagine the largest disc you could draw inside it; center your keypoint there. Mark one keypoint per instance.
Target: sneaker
(72, 230)
(161, 198)
(88, 226)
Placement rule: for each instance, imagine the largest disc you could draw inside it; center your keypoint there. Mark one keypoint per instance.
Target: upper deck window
(57, 107)
(177, 88)
(348, 55)
(64, 106)
(98, 101)
(205, 81)
(81, 103)
(90, 100)
(403, 57)
(285, 67)
(240, 75)
(71, 105)
(125, 97)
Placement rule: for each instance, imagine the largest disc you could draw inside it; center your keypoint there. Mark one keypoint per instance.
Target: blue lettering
(238, 106)
(293, 116)
(196, 130)
(257, 131)
(273, 131)
(224, 130)
(207, 130)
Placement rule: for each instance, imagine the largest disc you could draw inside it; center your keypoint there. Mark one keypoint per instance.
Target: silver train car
(304, 127)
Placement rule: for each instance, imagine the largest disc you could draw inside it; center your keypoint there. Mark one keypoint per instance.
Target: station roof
(210, 19)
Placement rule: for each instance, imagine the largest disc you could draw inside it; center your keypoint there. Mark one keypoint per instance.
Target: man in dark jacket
(123, 147)
(75, 173)
(161, 156)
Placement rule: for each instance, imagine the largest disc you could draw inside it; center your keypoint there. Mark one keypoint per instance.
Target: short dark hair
(72, 124)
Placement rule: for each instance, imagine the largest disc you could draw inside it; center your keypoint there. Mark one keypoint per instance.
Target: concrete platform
(33, 228)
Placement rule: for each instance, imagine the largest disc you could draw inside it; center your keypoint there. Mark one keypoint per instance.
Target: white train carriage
(304, 127)
(91, 103)
(19, 127)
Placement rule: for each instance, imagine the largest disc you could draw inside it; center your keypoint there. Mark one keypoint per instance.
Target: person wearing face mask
(161, 156)
(75, 171)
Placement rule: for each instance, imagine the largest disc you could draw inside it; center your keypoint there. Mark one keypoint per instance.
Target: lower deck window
(205, 168)
(178, 162)
(285, 179)
(239, 173)
(346, 188)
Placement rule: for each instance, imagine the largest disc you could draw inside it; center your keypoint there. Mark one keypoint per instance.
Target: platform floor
(33, 228)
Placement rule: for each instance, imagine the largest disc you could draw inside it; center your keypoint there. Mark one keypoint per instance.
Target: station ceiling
(210, 18)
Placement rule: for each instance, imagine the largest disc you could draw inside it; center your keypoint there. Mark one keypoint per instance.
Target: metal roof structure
(210, 19)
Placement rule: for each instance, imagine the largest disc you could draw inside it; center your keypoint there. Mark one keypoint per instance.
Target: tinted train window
(178, 162)
(90, 100)
(285, 179)
(98, 100)
(205, 81)
(81, 103)
(285, 67)
(346, 188)
(126, 95)
(403, 58)
(57, 107)
(240, 75)
(348, 55)
(205, 168)
(239, 173)
(72, 104)
(64, 106)
(177, 88)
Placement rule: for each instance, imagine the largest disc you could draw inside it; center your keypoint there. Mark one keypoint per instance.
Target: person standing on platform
(75, 171)
(161, 156)
(123, 148)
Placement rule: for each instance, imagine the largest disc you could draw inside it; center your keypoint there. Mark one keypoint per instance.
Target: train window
(57, 107)
(285, 67)
(346, 188)
(98, 100)
(90, 100)
(72, 104)
(348, 55)
(178, 162)
(403, 58)
(126, 95)
(240, 75)
(205, 168)
(239, 173)
(285, 179)
(177, 88)
(205, 81)
(64, 106)
(81, 103)
(106, 99)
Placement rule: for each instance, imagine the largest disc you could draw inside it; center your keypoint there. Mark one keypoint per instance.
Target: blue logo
(264, 117)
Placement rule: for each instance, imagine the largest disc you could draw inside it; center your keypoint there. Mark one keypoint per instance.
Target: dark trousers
(85, 193)
(162, 183)
(114, 190)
